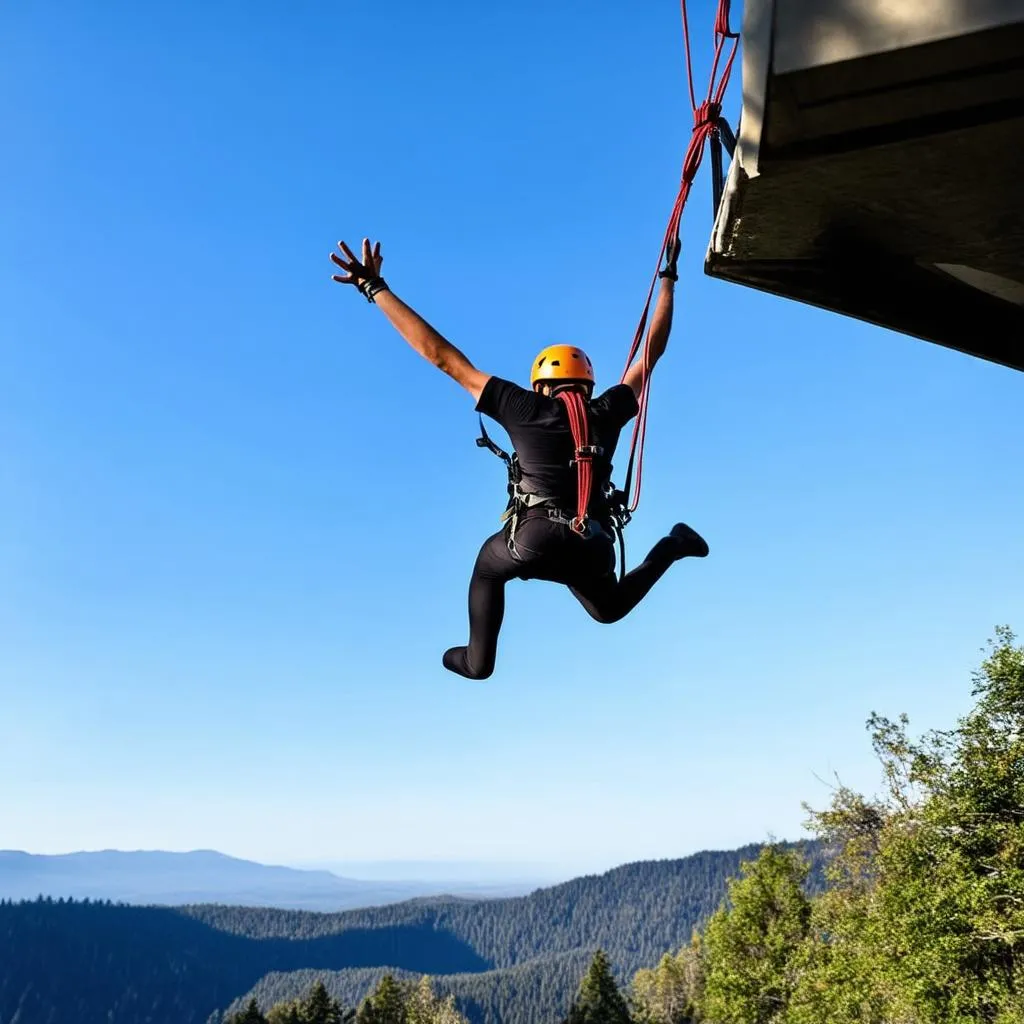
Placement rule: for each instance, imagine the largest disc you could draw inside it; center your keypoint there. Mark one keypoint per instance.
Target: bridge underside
(880, 166)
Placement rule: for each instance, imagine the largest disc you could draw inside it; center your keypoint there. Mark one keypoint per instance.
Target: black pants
(546, 550)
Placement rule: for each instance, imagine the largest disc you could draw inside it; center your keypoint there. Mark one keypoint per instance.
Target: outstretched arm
(432, 346)
(410, 325)
(657, 337)
(661, 321)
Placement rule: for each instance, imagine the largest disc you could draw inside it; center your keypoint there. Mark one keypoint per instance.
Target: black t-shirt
(539, 429)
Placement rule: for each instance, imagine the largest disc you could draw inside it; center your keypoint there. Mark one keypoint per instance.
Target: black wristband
(371, 286)
(672, 250)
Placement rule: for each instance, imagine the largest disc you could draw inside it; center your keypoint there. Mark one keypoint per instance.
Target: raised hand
(365, 274)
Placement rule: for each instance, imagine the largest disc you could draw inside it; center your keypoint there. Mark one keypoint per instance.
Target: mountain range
(205, 876)
(507, 961)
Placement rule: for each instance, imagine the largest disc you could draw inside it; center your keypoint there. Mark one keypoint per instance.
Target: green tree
(446, 1012)
(319, 1007)
(928, 921)
(671, 992)
(419, 1006)
(387, 1004)
(284, 1013)
(752, 940)
(250, 1015)
(839, 967)
(599, 1000)
(424, 1006)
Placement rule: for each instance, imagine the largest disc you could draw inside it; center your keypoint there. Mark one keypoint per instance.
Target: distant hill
(201, 876)
(634, 912)
(90, 962)
(506, 960)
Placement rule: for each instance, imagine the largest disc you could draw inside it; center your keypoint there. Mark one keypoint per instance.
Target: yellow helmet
(562, 362)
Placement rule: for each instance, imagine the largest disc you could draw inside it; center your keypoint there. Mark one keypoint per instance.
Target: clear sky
(238, 514)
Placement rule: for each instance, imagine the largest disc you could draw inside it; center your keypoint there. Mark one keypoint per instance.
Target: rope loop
(578, 413)
(722, 22)
(707, 114)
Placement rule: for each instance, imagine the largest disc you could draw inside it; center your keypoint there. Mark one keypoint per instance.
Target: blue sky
(238, 514)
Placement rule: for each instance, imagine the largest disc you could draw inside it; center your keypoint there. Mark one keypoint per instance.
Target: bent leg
(607, 599)
(493, 569)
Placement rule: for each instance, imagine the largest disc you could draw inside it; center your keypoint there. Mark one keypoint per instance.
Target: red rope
(579, 424)
(705, 124)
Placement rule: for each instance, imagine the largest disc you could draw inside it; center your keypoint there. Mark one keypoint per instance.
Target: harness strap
(484, 441)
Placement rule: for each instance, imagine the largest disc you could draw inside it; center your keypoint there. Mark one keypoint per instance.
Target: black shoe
(456, 660)
(681, 542)
(688, 542)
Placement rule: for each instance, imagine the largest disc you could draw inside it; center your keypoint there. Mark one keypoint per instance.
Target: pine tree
(387, 1004)
(424, 1006)
(250, 1015)
(420, 1004)
(599, 1000)
(284, 1013)
(319, 1007)
(446, 1012)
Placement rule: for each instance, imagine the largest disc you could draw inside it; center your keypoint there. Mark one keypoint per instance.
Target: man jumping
(555, 427)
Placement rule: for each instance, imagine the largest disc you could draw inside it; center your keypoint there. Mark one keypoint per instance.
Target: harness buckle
(617, 505)
(586, 453)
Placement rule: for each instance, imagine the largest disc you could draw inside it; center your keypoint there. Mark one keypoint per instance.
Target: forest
(178, 965)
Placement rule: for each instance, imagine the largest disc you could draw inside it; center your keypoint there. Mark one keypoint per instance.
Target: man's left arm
(661, 324)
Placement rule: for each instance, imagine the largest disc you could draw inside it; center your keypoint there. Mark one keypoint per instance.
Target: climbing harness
(523, 503)
(709, 129)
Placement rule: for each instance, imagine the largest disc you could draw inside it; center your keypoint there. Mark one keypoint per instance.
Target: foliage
(316, 1008)
(671, 992)
(751, 942)
(425, 1006)
(599, 1000)
(924, 918)
(385, 1006)
(284, 1013)
(396, 1002)
(250, 1015)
